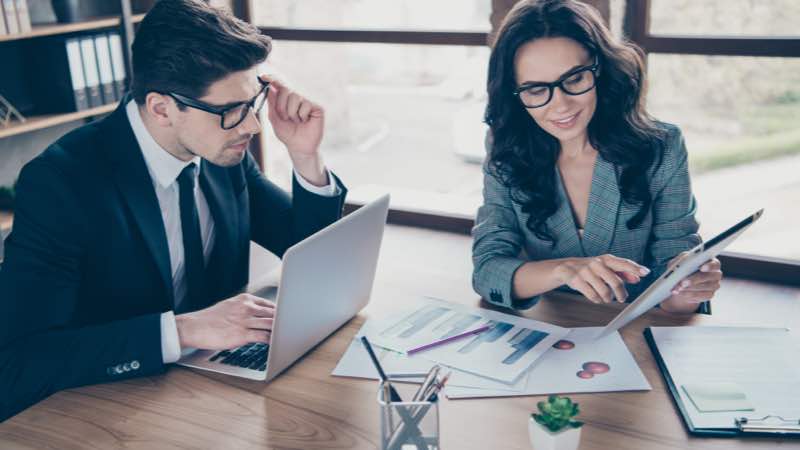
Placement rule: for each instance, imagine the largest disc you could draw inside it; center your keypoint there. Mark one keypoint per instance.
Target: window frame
(636, 25)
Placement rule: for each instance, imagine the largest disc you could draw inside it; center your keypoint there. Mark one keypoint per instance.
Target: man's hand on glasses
(299, 124)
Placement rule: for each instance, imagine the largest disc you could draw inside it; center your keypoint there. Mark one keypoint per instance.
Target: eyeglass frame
(593, 68)
(222, 110)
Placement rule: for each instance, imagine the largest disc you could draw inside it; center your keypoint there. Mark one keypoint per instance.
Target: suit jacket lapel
(601, 217)
(562, 225)
(217, 188)
(136, 187)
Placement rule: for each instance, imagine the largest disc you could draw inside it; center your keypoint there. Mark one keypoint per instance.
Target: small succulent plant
(556, 414)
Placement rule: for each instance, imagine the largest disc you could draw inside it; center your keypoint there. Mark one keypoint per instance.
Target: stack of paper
(522, 357)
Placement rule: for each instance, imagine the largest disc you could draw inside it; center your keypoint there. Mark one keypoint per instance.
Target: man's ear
(160, 108)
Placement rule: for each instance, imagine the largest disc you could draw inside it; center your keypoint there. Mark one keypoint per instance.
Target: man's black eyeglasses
(575, 82)
(230, 115)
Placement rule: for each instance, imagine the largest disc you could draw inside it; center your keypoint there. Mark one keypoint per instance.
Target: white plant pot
(543, 439)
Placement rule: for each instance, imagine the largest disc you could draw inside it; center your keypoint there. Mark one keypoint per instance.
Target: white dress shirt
(164, 170)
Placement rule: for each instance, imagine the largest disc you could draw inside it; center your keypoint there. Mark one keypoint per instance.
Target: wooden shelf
(136, 18)
(6, 218)
(38, 122)
(63, 28)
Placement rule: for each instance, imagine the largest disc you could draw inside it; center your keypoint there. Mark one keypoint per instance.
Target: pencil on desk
(478, 330)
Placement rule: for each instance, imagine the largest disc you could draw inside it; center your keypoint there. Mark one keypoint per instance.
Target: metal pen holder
(408, 425)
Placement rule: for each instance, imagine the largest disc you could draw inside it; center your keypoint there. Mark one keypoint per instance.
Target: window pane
(740, 117)
(407, 118)
(471, 15)
(725, 17)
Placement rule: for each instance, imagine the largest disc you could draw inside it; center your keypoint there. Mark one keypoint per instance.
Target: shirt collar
(163, 167)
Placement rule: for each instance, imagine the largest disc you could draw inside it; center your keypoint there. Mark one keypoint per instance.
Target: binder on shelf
(117, 63)
(90, 72)
(104, 67)
(57, 64)
(23, 16)
(77, 78)
(10, 13)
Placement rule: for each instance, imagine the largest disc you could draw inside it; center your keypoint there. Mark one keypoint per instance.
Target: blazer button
(135, 365)
(110, 371)
(126, 367)
(118, 369)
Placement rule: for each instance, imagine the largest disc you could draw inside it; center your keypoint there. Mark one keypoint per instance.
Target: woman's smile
(567, 121)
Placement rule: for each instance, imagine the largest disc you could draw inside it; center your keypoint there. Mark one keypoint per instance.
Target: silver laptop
(326, 279)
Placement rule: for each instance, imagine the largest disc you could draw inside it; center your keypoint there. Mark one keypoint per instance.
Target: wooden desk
(306, 408)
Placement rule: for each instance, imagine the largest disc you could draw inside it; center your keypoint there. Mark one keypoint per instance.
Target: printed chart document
(578, 363)
(503, 353)
(575, 363)
(356, 363)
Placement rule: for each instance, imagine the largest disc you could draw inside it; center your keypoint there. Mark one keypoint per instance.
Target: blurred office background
(403, 84)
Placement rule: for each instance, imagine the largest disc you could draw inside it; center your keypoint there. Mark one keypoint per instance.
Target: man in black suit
(131, 235)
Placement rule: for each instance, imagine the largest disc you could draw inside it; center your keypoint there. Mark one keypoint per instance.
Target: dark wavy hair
(522, 156)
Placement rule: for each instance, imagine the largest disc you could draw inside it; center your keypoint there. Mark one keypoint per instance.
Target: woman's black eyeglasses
(575, 82)
(232, 115)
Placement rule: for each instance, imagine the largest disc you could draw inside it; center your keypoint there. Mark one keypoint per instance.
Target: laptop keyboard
(250, 356)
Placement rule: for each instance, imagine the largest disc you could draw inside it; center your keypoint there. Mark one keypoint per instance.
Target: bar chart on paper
(502, 352)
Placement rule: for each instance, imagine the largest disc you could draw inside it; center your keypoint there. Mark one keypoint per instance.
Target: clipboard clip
(768, 424)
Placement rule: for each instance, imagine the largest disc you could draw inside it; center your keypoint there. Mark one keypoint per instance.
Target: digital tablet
(677, 271)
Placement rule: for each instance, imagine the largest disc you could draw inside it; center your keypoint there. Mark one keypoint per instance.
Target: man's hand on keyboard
(228, 324)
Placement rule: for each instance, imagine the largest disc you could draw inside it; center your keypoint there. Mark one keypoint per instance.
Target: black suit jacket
(87, 274)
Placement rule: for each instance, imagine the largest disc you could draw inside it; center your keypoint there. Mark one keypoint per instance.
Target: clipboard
(679, 269)
(765, 426)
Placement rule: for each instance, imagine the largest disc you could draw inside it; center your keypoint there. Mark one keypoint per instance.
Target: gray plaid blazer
(502, 242)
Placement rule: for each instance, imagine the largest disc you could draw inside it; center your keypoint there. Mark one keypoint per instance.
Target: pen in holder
(406, 425)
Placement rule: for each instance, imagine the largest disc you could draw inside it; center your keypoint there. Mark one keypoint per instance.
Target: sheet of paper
(556, 372)
(576, 364)
(356, 363)
(763, 362)
(717, 397)
(503, 353)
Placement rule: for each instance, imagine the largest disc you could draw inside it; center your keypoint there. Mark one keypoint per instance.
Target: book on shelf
(23, 16)
(117, 63)
(10, 15)
(90, 72)
(68, 74)
(103, 53)
(14, 17)
(80, 95)
(3, 29)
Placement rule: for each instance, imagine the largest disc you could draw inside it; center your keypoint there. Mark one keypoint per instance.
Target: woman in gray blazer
(582, 188)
